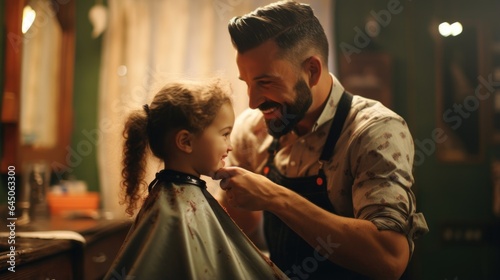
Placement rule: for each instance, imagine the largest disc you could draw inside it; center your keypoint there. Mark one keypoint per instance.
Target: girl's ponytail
(134, 158)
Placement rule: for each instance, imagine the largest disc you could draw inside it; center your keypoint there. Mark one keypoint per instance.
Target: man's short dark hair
(293, 26)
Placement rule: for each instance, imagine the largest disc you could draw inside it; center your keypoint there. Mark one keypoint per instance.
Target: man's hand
(247, 190)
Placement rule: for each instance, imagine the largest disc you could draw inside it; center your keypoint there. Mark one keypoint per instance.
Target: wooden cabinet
(65, 259)
(51, 259)
(101, 251)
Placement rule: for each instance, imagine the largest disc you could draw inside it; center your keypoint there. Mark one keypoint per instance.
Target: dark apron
(288, 251)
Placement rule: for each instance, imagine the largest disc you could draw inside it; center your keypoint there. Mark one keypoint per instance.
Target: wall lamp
(446, 29)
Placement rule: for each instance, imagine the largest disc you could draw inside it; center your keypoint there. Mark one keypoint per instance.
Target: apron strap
(343, 108)
(272, 150)
(336, 128)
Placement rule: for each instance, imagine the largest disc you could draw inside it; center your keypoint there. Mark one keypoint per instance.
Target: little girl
(181, 231)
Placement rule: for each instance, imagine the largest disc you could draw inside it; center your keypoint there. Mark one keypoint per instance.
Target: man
(330, 173)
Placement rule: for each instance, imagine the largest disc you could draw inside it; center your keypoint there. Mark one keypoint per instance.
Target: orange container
(61, 203)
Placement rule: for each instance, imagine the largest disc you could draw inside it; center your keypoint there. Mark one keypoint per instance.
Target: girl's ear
(184, 141)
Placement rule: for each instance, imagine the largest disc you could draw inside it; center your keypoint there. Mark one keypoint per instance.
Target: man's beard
(291, 114)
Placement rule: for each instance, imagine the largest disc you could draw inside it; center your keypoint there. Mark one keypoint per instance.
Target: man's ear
(184, 141)
(313, 67)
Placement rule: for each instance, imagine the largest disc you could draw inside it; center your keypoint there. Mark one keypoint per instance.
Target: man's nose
(255, 98)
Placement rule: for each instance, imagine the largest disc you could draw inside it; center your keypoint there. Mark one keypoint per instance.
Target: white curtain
(148, 43)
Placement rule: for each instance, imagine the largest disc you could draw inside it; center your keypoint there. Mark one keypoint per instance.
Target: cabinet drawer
(100, 254)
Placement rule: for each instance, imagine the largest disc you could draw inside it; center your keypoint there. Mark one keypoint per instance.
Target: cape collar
(168, 175)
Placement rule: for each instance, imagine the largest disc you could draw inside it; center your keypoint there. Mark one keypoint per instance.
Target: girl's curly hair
(181, 105)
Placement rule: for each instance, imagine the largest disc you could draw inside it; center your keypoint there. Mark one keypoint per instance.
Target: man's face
(275, 87)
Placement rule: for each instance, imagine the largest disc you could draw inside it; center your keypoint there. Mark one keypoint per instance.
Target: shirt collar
(331, 104)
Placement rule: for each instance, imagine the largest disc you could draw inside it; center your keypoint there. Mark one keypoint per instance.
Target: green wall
(446, 193)
(86, 83)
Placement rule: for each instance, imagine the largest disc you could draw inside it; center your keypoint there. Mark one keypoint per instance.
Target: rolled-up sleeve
(382, 166)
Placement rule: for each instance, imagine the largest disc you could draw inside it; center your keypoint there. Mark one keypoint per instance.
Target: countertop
(31, 249)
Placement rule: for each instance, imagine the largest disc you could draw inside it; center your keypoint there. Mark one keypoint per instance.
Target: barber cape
(182, 232)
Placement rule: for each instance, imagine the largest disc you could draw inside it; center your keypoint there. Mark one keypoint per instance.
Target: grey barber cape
(182, 232)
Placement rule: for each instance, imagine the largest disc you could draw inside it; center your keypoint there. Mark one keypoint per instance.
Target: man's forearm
(352, 243)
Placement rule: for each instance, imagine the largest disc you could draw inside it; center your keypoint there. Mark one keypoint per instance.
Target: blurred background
(71, 70)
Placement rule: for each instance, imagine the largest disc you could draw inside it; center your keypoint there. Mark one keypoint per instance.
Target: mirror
(40, 68)
(38, 75)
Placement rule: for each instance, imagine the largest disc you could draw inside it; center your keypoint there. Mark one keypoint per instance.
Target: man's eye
(264, 83)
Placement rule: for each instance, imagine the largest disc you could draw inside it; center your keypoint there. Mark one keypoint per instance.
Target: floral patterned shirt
(370, 173)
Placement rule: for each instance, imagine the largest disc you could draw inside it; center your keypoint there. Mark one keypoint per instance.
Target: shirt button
(292, 163)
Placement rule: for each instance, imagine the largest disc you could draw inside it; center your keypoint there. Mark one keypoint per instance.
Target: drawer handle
(99, 258)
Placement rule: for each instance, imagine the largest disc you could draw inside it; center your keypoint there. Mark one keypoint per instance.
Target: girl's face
(213, 145)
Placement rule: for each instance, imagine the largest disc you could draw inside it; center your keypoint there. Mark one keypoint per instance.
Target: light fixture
(446, 29)
(98, 16)
(456, 28)
(29, 16)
